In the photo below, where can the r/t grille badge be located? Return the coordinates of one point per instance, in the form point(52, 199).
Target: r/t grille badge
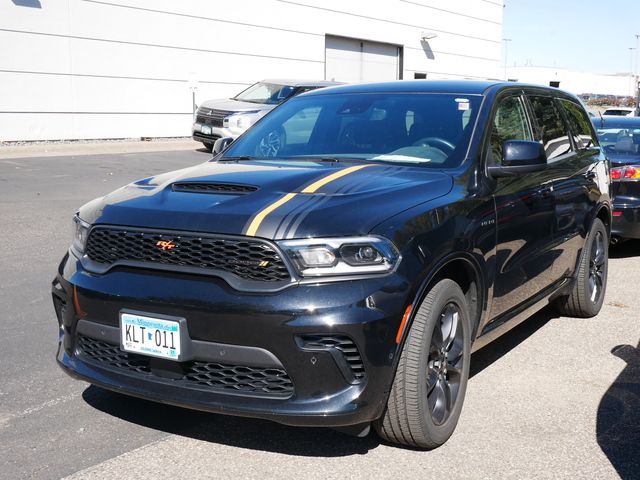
point(165, 244)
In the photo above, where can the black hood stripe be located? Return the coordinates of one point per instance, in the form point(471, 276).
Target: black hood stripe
point(254, 223)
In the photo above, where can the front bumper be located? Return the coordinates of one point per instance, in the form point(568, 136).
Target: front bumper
point(626, 221)
point(255, 330)
point(216, 133)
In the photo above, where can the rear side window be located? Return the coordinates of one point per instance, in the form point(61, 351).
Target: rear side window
point(509, 123)
point(551, 128)
point(579, 123)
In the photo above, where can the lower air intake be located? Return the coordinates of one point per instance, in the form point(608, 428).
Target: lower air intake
point(201, 375)
point(342, 348)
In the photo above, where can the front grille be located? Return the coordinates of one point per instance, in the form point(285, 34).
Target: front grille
point(204, 187)
point(241, 379)
point(111, 356)
point(343, 346)
point(212, 117)
point(246, 258)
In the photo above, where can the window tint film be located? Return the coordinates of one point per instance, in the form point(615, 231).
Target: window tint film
point(579, 123)
point(551, 127)
point(509, 123)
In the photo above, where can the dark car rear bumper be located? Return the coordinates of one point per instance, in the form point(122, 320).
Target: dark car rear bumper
point(626, 221)
point(259, 331)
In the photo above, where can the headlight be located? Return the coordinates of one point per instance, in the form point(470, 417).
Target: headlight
point(341, 256)
point(80, 234)
point(240, 122)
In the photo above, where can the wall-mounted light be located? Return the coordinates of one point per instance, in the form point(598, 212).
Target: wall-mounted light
point(426, 36)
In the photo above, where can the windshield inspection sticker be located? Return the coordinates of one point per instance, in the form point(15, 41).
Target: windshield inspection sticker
point(463, 103)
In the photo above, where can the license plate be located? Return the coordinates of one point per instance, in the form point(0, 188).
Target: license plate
point(205, 129)
point(150, 336)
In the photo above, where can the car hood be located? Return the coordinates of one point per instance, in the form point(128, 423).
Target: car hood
point(270, 199)
point(232, 105)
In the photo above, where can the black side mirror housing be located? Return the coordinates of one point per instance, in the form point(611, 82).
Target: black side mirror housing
point(519, 156)
point(221, 145)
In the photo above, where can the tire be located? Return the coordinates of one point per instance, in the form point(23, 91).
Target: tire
point(208, 146)
point(414, 415)
point(584, 301)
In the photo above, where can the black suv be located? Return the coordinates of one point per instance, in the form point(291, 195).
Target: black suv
point(344, 278)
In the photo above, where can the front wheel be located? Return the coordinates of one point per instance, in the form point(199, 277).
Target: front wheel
point(431, 379)
point(587, 294)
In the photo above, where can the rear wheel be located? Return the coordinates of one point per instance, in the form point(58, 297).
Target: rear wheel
point(587, 295)
point(431, 380)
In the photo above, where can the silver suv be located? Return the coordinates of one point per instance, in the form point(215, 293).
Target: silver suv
point(230, 117)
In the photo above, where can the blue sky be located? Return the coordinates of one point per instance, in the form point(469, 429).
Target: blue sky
point(583, 35)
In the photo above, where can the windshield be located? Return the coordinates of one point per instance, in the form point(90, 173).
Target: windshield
point(266, 93)
point(427, 129)
point(620, 142)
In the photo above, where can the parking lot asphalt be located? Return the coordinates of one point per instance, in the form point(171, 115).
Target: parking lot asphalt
point(554, 398)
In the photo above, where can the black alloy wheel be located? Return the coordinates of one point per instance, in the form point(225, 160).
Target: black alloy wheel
point(597, 268)
point(444, 367)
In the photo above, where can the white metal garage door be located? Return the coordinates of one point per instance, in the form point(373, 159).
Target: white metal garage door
point(353, 60)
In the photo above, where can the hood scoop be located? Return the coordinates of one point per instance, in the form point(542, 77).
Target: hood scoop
point(214, 188)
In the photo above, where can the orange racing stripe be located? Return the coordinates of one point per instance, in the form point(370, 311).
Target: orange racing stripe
point(313, 188)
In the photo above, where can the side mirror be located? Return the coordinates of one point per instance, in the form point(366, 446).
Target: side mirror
point(221, 145)
point(519, 156)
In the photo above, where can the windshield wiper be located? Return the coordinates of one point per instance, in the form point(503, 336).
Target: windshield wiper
point(235, 159)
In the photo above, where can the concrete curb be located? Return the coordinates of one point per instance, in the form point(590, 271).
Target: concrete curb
point(96, 148)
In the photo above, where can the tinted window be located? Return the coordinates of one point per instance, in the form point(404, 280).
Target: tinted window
point(579, 123)
point(509, 123)
point(299, 127)
point(621, 142)
point(432, 130)
point(267, 93)
point(551, 127)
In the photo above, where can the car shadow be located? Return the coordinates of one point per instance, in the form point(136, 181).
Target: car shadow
point(240, 432)
point(496, 349)
point(625, 249)
point(618, 420)
point(270, 436)
point(204, 150)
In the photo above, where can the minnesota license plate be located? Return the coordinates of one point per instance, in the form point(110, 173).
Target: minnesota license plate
point(205, 129)
point(150, 336)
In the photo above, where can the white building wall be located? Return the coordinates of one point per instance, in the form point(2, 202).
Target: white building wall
point(73, 69)
point(575, 82)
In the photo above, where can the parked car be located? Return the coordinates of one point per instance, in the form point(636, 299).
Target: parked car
point(620, 138)
point(230, 117)
point(343, 278)
point(620, 112)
